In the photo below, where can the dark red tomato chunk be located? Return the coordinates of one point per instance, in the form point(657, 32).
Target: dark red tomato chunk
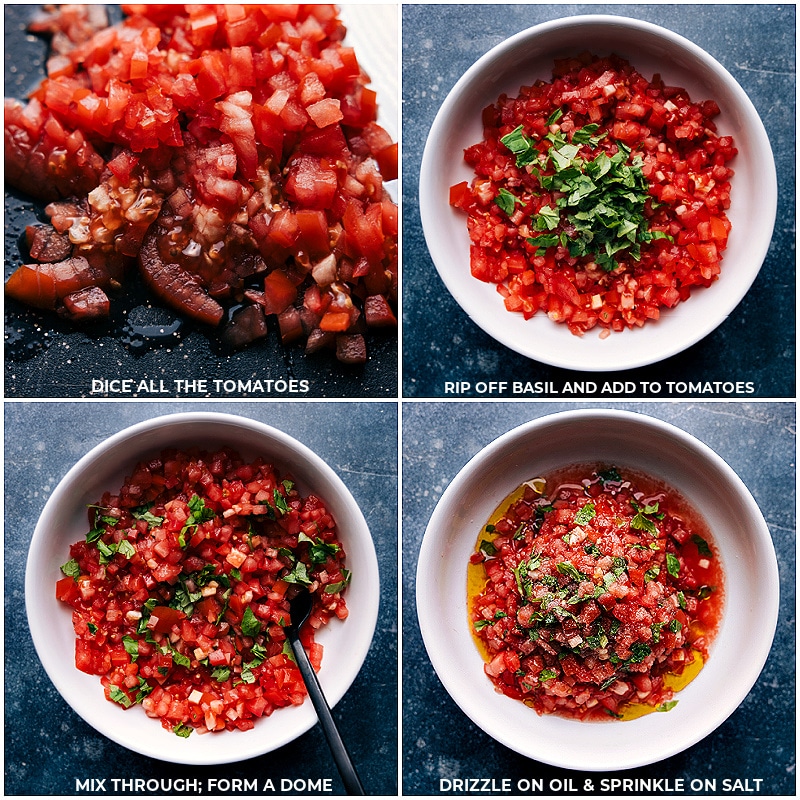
point(180, 591)
point(597, 587)
point(544, 258)
point(229, 149)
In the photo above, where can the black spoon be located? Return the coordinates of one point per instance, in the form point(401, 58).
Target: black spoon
point(300, 608)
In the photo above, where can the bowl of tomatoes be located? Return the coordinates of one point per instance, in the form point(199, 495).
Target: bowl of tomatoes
point(597, 210)
point(172, 550)
point(546, 564)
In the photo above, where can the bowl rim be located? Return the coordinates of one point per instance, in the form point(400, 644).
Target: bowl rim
point(431, 622)
point(305, 716)
point(431, 205)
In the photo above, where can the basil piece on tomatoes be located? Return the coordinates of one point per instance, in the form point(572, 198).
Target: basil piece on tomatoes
point(586, 514)
point(333, 588)
point(71, 569)
point(673, 565)
point(318, 550)
point(250, 624)
point(507, 201)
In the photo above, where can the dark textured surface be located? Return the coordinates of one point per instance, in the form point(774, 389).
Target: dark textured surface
point(756, 742)
point(47, 746)
point(756, 43)
point(47, 357)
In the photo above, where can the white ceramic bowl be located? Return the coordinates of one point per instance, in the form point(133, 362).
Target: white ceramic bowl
point(64, 521)
point(654, 448)
point(528, 56)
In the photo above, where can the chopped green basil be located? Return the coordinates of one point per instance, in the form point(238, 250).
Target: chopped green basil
point(639, 652)
point(280, 502)
point(487, 548)
point(71, 569)
point(673, 565)
point(702, 545)
point(585, 514)
point(332, 588)
point(507, 201)
point(298, 574)
point(250, 624)
point(143, 513)
point(131, 647)
point(118, 696)
point(565, 568)
point(318, 550)
point(221, 674)
point(609, 475)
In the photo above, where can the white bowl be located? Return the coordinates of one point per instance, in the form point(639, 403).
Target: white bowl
point(651, 447)
point(64, 521)
point(522, 59)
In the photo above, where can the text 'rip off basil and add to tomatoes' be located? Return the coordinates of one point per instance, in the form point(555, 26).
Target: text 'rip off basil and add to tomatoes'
point(180, 590)
point(594, 594)
point(231, 151)
point(599, 197)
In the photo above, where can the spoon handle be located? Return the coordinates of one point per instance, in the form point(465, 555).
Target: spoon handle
point(340, 755)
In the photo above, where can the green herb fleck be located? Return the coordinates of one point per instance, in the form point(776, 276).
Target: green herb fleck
point(280, 502)
point(71, 569)
point(565, 568)
point(332, 588)
point(673, 565)
point(131, 647)
point(585, 514)
point(702, 545)
point(221, 674)
point(507, 201)
point(119, 696)
point(250, 624)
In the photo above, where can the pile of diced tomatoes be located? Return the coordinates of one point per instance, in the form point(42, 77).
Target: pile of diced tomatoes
point(684, 160)
point(247, 138)
point(180, 590)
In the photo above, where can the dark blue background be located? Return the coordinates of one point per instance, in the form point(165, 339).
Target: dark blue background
point(47, 745)
point(756, 43)
point(757, 741)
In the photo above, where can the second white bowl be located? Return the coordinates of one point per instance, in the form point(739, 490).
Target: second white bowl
point(64, 521)
point(628, 441)
point(528, 56)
